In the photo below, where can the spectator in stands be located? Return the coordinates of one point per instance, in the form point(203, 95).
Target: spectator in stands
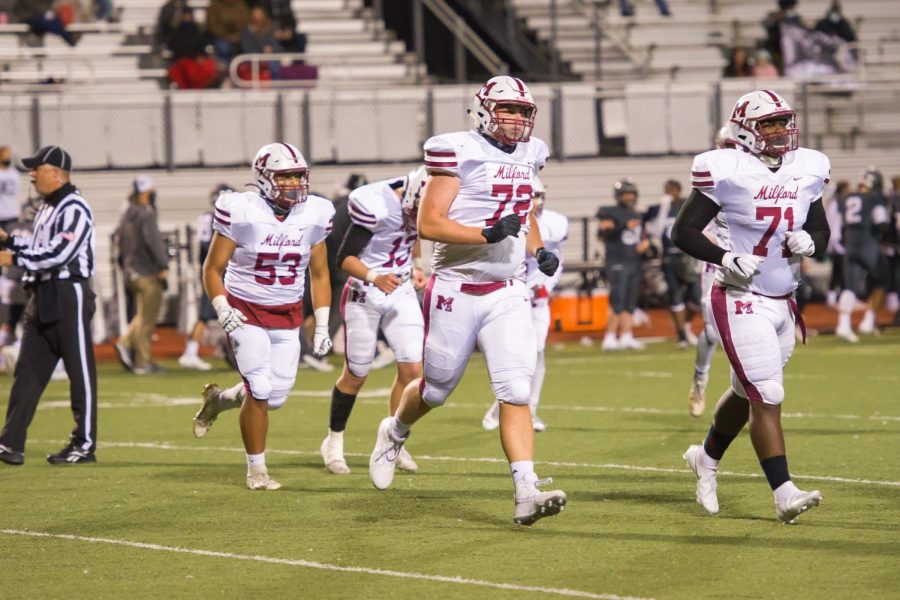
point(627, 8)
point(168, 20)
point(834, 23)
point(146, 267)
point(282, 16)
point(192, 68)
point(225, 20)
point(40, 18)
point(258, 37)
point(786, 13)
point(104, 10)
point(738, 65)
point(762, 65)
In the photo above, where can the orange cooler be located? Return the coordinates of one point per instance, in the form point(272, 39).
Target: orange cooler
point(574, 311)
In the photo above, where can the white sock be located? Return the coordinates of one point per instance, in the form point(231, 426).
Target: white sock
point(234, 392)
point(537, 383)
point(191, 349)
point(705, 350)
point(784, 491)
point(843, 320)
point(256, 462)
point(520, 469)
point(627, 337)
point(868, 320)
point(609, 337)
point(336, 436)
point(399, 429)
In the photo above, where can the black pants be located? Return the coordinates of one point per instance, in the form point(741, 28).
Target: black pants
point(61, 331)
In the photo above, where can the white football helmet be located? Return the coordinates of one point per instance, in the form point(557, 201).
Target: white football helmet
point(412, 192)
point(760, 106)
point(723, 138)
point(277, 159)
point(503, 91)
point(537, 195)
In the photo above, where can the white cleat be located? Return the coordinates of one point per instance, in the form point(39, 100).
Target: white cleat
point(847, 334)
point(796, 505)
point(209, 412)
point(491, 420)
point(261, 481)
point(384, 457)
point(193, 362)
point(689, 336)
point(532, 504)
point(318, 364)
point(697, 395)
point(332, 451)
point(630, 343)
point(610, 345)
point(538, 424)
point(706, 479)
point(405, 461)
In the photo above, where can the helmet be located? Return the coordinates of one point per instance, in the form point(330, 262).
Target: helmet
point(873, 179)
point(503, 91)
point(280, 159)
point(412, 192)
point(622, 187)
point(757, 107)
point(723, 138)
point(538, 192)
point(220, 189)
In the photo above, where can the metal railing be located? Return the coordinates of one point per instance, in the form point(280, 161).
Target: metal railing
point(464, 39)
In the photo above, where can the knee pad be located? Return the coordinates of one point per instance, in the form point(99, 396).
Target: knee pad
point(433, 396)
point(276, 403)
point(516, 391)
point(359, 369)
point(771, 391)
point(260, 388)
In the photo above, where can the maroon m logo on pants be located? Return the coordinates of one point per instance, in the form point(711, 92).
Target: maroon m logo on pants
point(742, 308)
point(445, 304)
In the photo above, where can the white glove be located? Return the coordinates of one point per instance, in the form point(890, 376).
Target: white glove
point(321, 340)
point(741, 266)
point(800, 242)
point(230, 318)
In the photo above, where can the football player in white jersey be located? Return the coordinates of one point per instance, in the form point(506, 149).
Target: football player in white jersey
point(554, 229)
point(771, 196)
point(477, 209)
point(378, 251)
point(254, 274)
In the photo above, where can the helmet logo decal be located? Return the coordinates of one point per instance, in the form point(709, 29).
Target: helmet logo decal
point(262, 160)
point(740, 110)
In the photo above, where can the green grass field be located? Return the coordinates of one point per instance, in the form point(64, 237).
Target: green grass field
point(163, 515)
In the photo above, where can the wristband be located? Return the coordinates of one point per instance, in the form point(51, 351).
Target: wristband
point(220, 303)
point(371, 276)
point(322, 315)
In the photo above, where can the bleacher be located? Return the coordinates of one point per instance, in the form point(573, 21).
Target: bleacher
point(347, 44)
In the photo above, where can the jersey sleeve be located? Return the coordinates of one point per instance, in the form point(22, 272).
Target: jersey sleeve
point(325, 221)
point(822, 171)
point(542, 153)
point(441, 156)
point(704, 175)
point(366, 206)
point(227, 211)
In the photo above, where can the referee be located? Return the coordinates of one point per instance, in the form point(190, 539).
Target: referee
point(58, 260)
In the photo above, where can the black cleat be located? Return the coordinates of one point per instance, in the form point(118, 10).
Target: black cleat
point(10, 456)
point(71, 455)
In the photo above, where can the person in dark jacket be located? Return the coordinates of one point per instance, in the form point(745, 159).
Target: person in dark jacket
point(145, 265)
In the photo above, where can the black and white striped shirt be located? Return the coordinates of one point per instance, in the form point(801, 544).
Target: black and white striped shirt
point(62, 245)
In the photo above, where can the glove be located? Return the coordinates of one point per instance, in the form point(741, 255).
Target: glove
point(321, 340)
point(230, 318)
point(741, 266)
point(505, 227)
point(800, 242)
point(547, 261)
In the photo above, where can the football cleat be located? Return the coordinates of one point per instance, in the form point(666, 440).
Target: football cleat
point(491, 419)
point(384, 456)
point(405, 461)
point(71, 455)
point(532, 504)
point(260, 480)
point(847, 334)
point(213, 405)
point(797, 504)
point(193, 362)
point(610, 344)
point(332, 451)
point(697, 394)
point(318, 364)
point(629, 343)
point(124, 356)
point(537, 423)
point(706, 479)
point(10, 456)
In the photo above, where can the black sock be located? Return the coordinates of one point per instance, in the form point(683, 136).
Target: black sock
point(776, 471)
point(341, 406)
point(717, 443)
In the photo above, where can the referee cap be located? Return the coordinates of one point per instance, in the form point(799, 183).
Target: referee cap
point(49, 155)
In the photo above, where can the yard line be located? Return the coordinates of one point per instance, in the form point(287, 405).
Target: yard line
point(459, 459)
point(323, 566)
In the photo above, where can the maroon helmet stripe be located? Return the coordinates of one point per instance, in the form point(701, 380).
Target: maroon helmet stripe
point(774, 98)
point(521, 86)
point(291, 150)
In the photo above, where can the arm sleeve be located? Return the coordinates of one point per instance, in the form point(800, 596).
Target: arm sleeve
point(355, 241)
point(74, 232)
point(817, 227)
point(692, 219)
point(440, 156)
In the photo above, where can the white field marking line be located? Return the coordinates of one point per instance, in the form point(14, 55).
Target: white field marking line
point(459, 459)
point(379, 395)
point(308, 564)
